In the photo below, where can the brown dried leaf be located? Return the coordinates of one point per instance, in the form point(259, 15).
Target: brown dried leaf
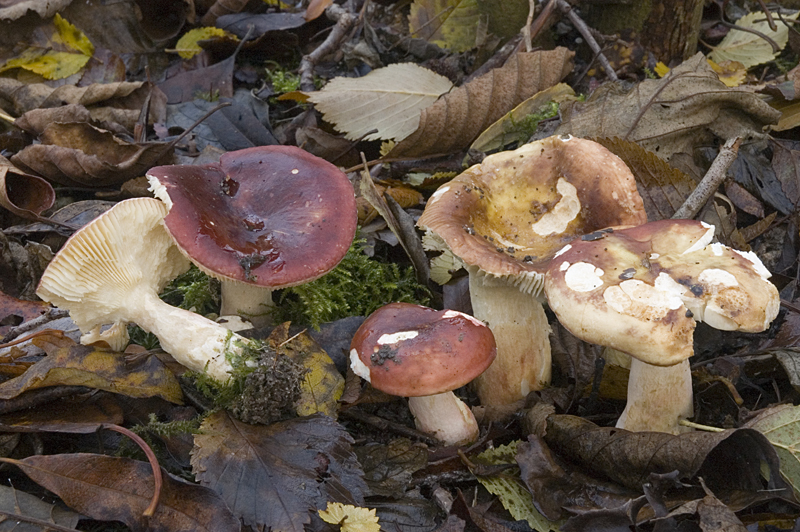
point(67, 417)
point(24, 194)
point(662, 187)
point(743, 200)
point(108, 488)
point(273, 476)
point(456, 119)
point(79, 154)
point(388, 468)
point(25, 310)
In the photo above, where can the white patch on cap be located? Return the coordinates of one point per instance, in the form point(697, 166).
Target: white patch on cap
point(717, 249)
point(564, 266)
point(358, 367)
point(583, 277)
point(717, 278)
point(757, 264)
point(438, 194)
point(456, 314)
point(159, 191)
point(567, 208)
point(562, 250)
point(393, 338)
point(653, 256)
point(637, 298)
point(704, 240)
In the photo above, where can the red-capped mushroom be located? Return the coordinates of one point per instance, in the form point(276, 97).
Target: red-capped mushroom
point(506, 218)
point(640, 290)
point(261, 219)
point(423, 354)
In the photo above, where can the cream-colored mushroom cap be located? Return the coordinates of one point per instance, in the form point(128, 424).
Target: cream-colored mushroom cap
point(641, 289)
point(510, 214)
point(95, 272)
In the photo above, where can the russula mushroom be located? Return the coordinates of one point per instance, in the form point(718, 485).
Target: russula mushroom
point(424, 354)
point(640, 290)
point(261, 219)
point(506, 218)
point(111, 271)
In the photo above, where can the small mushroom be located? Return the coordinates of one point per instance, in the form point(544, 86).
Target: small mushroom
point(423, 354)
point(506, 218)
point(640, 290)
point(111, 271)
point(261, 219)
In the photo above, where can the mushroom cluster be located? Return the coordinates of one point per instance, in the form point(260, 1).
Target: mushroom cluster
point(424, 354)
point(506, 218)
point(640, 290)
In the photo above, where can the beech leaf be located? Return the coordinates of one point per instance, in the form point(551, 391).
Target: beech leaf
point(781, 425)
point(456, 119)
point(388, 99)
point(451, 24)
point(274, 476)
point(748, 48)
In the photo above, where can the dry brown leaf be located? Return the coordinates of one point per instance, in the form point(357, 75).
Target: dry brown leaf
point(23, 194)
point(456, 119)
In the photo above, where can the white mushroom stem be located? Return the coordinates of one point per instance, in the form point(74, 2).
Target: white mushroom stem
point(521, 332)
point(251, 302)
point(658, 397)
point(445, 417)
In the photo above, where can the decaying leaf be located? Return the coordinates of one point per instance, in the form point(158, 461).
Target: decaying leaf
point(80, 365)
point(108, 488)
point(456, 120)
point(451, 24)
point(18, 503)
point(74, 417)
point(749, 48)
point(781, 425)
point(11, 307)
point(273, 476)
point(24, 194)
point(731, 73)
point(187, 46)
point(388, 99)
point(686, 108)
point(404, 196)
point(388, 469)
point(350, 518)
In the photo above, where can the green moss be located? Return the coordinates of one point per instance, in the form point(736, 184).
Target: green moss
point(193, 290)
point(356, 287)
point(283, 81)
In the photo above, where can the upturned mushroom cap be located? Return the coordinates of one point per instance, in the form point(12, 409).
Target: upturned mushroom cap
point(640, 290)
point(273, 216)
point(411, 351)
point(510, 214)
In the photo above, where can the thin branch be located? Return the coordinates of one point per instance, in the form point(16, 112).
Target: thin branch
point(711, 181)
point(47, 317)
point(586, 32)
point(344, 21)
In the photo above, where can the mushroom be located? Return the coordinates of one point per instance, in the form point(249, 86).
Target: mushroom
point(417, 352)
point(111, 271)
point(261, 219)
point(640, 290)
point(506, 218)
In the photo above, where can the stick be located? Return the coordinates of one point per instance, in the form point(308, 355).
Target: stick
point(711, 181)
point(344, 21)
point(584, 30)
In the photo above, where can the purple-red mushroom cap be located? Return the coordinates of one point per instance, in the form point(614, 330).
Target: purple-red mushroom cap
point(273, 216)
point(412, 351)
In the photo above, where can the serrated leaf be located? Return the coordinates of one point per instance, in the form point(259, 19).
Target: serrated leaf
point(451, 24)
point(388, 99)
point(511, 490)
point(781, 426)
point(350, 518)
point(748, 48)
point(187, 46)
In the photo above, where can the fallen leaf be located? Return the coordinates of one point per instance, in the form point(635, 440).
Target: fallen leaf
point(456, 119)
point(24, 194)
point(731, 73)
point(451, 24)
point(187, 46)
point(109, 488)
point(749, 48)
point(273, 476)
point(388, 99)
point(21, 310)
point(389, 468)
point(79, 365)
point(350, 518)
point(210, 83)
point(15, 503)
point(781, 426)
point(74, 417)
point(686, 108)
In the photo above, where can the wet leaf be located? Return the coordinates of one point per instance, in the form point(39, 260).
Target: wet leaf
point(187, 46)
point(456, 119)
point(24, 194)
point(84, 417)
point(388, 99)
point(275, 475)
point(78, 365)
point(451, 24)
point(18, 503)
point(209, 83)
point(781, 426)
point(671, 115)
point(786, 165)
point(388, 468)
point(108, 488)
point(747, 47)
point(322, 385)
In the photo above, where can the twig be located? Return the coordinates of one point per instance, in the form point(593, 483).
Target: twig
point(384, 424)
point(526, 30)
point(47, 317)
point(767, 14)
point(584, 30)
point(711, 181)
point(344, 21)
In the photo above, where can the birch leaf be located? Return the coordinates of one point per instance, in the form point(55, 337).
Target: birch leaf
point(451, 24)
point(388, 99)
point(748, 48)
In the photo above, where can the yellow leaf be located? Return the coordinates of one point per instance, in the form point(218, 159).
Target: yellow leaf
point(661, 69)
point(731, 73)
point(748, 48)
point(72, 37)
point(451, 24)
point(350, 518)
point(187, 46)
